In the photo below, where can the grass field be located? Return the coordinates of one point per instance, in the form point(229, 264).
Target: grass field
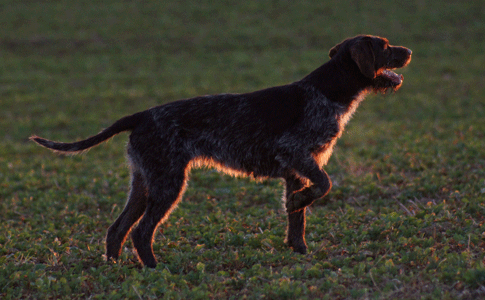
point(404, 220)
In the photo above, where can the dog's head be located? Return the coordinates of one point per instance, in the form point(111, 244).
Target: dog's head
point(375, 59)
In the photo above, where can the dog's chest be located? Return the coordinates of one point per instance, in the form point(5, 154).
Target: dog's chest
point(331, 129)
point(345, 116)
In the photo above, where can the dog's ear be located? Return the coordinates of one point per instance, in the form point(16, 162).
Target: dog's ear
point(362, 54)
point(334, 50)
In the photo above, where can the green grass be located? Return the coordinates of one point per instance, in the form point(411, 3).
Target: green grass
point(404, 220)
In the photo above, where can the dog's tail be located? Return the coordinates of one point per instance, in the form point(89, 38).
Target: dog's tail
point(123, 124)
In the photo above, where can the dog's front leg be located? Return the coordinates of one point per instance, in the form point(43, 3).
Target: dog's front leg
point(296, 203)
point(301, 199)
point(295, 235)
point(305, 197)
point(296, 208)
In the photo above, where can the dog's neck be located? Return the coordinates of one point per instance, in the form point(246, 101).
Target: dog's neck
point(339, 82)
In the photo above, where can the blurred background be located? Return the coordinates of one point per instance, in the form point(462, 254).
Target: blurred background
point(70, 68)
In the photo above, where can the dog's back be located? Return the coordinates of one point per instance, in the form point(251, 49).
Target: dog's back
point(253, 133)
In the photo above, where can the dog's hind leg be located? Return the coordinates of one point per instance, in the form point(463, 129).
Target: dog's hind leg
point(164, 193)
point(134, 209)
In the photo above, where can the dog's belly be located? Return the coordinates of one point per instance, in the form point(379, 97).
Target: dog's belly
point(263, 168)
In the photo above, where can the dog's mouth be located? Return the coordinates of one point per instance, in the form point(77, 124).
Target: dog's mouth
point(394, 78)
point(387, 79)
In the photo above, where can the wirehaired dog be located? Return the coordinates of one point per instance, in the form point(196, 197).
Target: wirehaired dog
point(284, 132)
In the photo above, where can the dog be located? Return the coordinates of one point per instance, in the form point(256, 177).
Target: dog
point(285, 132)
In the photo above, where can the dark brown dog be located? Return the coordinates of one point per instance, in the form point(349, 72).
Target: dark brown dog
point(281, 132)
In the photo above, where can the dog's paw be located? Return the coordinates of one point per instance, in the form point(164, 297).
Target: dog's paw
point(299, 247)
